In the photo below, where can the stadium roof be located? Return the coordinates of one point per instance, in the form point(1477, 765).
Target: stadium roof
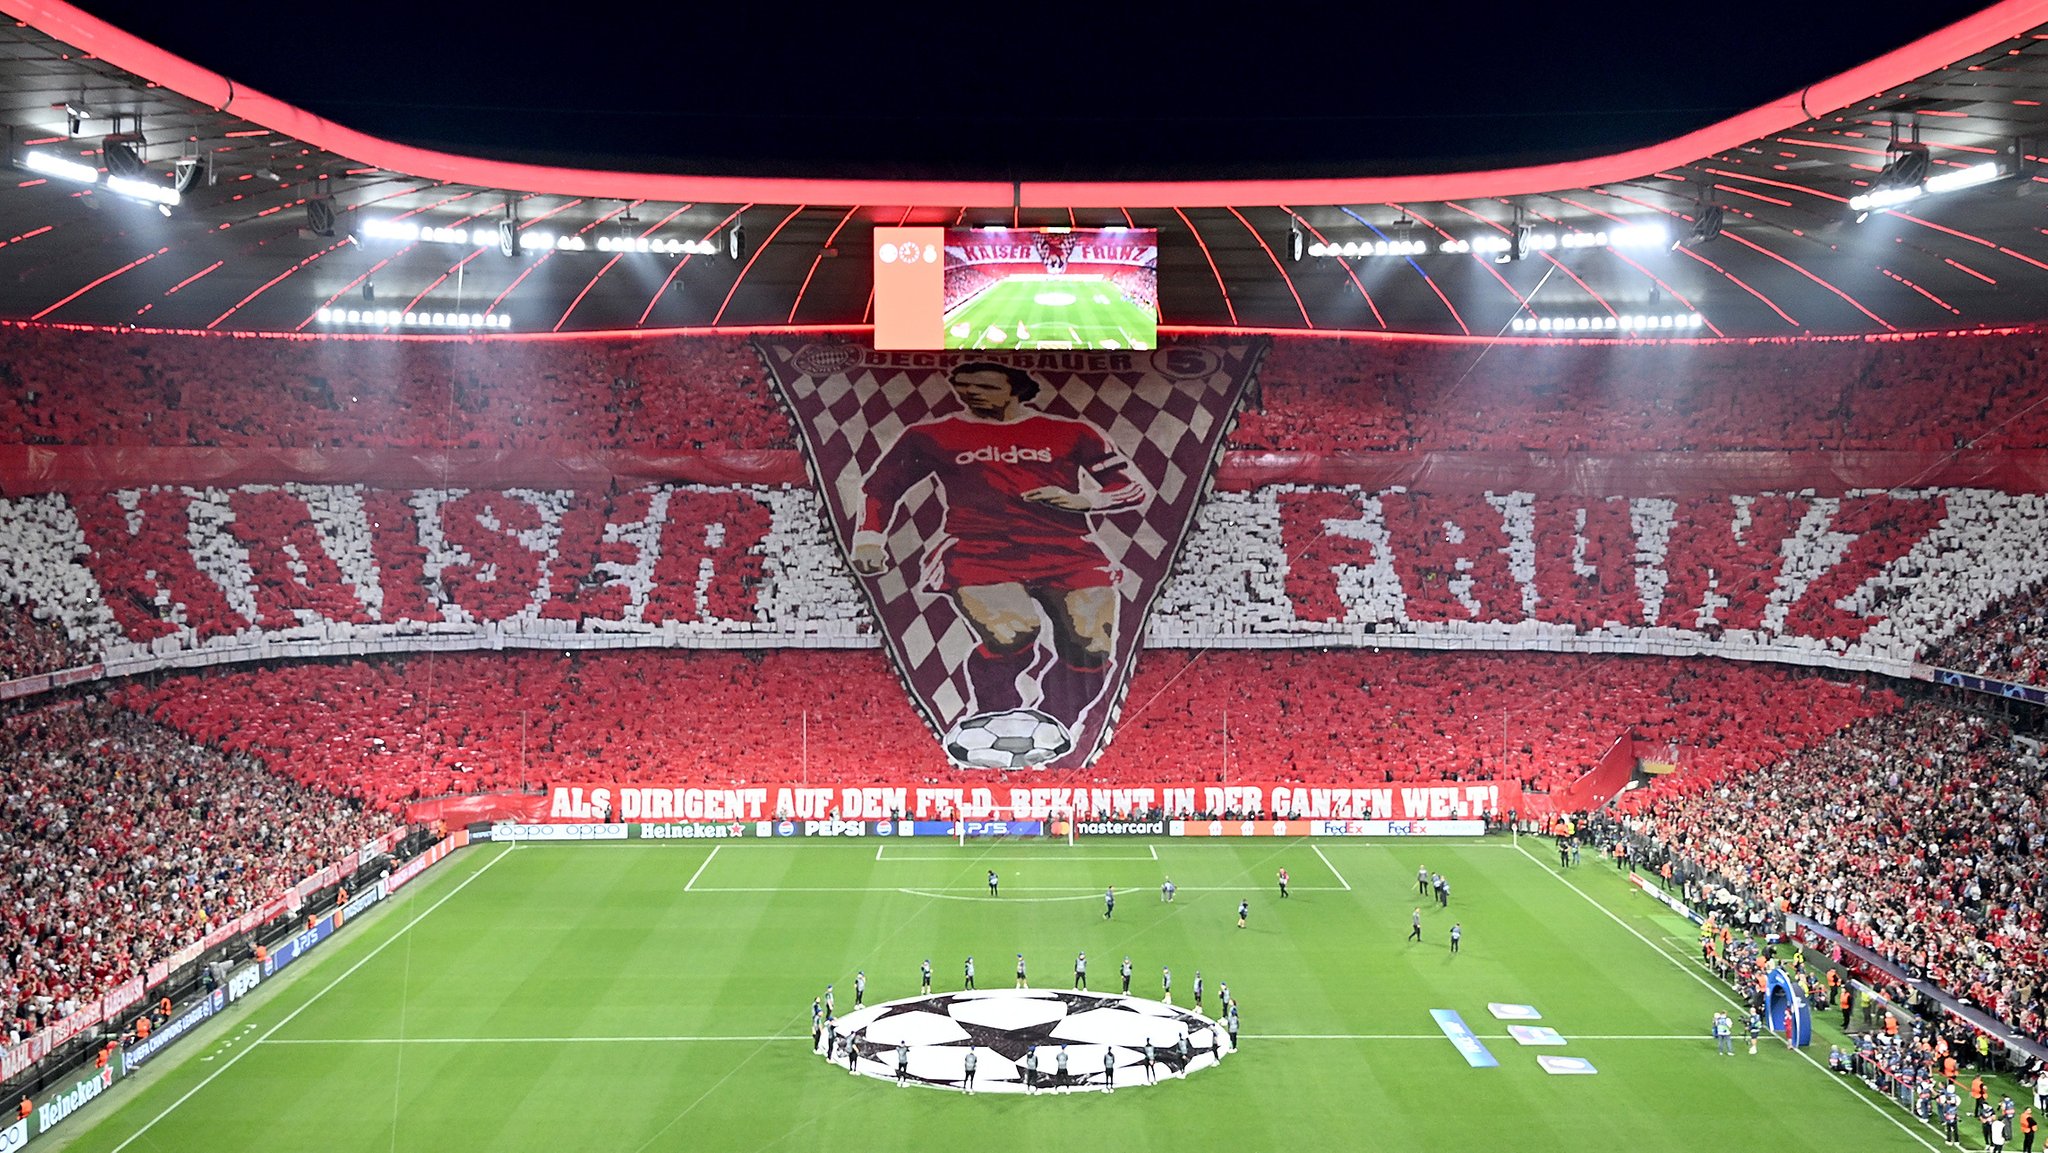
point(283, 219)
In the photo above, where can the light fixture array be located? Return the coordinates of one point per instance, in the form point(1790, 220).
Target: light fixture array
point(1953, 180)
point(1626, 322)
point(56, 167)
point(1643, 236)
point(399, 318)
point(410, 232)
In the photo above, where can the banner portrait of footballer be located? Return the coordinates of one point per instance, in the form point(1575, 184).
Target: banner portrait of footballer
point(1012, 517)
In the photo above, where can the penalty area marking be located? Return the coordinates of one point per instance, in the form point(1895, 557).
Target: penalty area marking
point(691, 883)
point(308, 1003)
point(1039, 858)
point(1333, 869)
point(970, 889)
point(707, 1039)
point(1720, 993)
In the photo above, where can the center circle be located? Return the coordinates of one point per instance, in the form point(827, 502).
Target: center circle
point(1004, 1027)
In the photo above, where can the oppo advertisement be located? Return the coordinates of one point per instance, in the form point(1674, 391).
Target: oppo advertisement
point(1016, 288)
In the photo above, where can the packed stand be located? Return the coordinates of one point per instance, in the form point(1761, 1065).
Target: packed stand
point(1937, 394)
point(2009, 642)
point(390, 731)
point(125, 841)
point(117, 388)
point(1317, 395)
point(1918, 834)
point(29, 646)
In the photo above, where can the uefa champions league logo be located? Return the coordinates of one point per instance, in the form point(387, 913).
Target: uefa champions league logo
point(1003, 1027)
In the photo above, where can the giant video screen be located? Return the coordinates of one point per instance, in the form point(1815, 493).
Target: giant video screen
point(1028, 288)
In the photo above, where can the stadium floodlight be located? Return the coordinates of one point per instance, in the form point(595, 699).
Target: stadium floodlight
point(1626, 322)
point(1294, 239)
point(60, 168)
point(397, 318)
point(120, 156)
point(736, 240)
point(1957, 179)
point(158, 194)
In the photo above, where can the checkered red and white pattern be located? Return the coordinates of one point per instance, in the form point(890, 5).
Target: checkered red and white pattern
point(1168, 410)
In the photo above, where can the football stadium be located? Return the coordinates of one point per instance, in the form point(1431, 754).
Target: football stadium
point(536, 623)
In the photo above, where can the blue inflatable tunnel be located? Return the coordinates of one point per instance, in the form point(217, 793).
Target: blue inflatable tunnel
point(1783, 998)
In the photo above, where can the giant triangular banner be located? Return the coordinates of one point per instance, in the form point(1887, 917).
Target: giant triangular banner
point(990, 629)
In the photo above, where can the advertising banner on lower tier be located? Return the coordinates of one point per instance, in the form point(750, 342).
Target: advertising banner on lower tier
point(1014, 799)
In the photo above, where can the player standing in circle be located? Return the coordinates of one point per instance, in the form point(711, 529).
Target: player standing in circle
point(902, 1064)
point(1166, 984)
point(828, 1001)
point(1109, 903)
point(1244, 910)
point(1126, 971)
point(993, 884)
point(1031, 1070)
point(1151, 1064)
point(1020, 488)
point(1081, 971)
point(1198, 989)
point(925, 976)
point(970, 974)
point(1021, 983)
point(1060, 1067)
point(1283, 884)
point(967, 1072)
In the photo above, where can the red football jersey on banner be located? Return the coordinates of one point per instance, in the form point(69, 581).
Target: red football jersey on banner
point(983, 469)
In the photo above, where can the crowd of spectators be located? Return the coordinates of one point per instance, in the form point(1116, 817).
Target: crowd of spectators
point(570, 396)
point(1317, 394)
point(2008, 641)
point(1917, 833)
point(392, 730)
point(1331, 395)
point(122, 841)
point(29, 646)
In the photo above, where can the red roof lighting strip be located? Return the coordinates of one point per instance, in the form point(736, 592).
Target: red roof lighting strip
point(1486, 262)
point(670, 278)
point(97, 281)
point(273, 281)
point(1277, 266)
point(1426, 222)
point(1349, 269)
point(1922, 291)
point(751, 258)
point(1213, 270)
point(1731, 277)
point(592, 283)
point(817, 260)
point(1983, 31)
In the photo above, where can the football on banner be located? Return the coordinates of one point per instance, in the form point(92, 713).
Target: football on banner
point(1015, 739)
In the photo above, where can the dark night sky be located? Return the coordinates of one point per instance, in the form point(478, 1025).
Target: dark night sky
point(1104, 92)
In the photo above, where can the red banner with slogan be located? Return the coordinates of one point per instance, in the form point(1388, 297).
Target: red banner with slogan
point(1396, 802)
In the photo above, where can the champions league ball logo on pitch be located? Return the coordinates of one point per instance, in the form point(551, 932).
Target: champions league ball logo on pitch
point(1102, 1034)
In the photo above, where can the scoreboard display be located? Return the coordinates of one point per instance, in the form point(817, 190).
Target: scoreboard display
point(1016, 288)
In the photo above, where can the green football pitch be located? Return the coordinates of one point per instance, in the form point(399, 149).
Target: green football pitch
point(1051, 312)
point(656, 996)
